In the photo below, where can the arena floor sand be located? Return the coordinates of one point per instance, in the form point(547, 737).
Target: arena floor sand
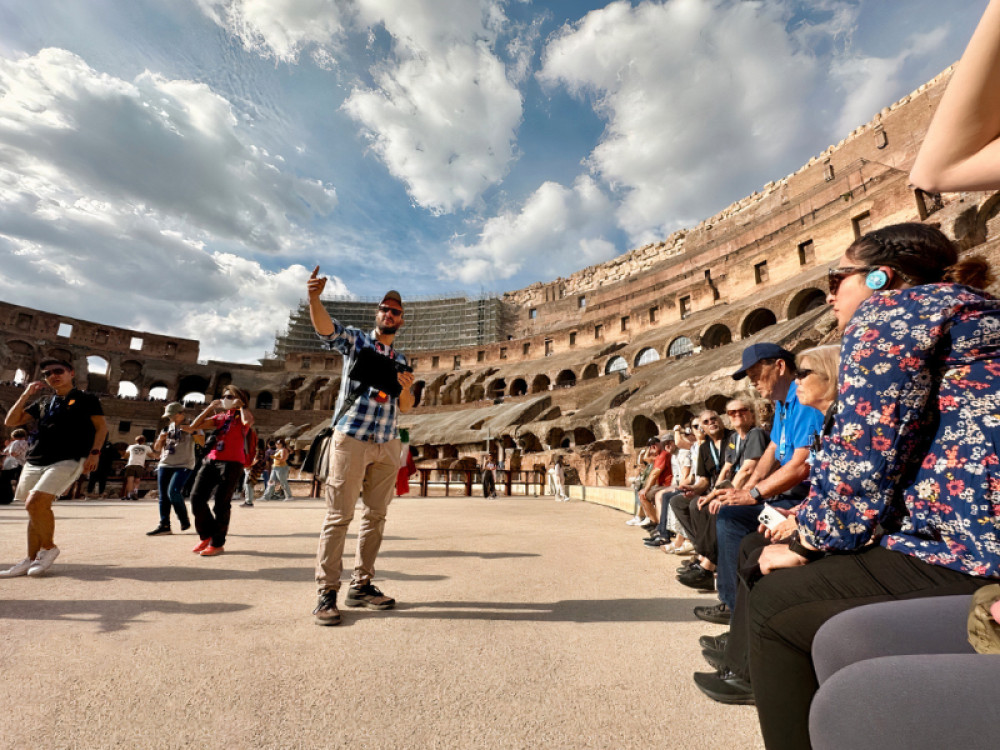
point(521, 623)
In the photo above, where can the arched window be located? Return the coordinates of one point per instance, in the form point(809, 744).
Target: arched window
point(540, 384)
point(565, 379)
point(615, 364)
point(757, 321)
point(127, 389)
point(643, 428)
point(716, 336)
point(680, 347)
point(193, 398)
point(645, 356)
point(806, 300)
point(265, 400)
point(591, 371)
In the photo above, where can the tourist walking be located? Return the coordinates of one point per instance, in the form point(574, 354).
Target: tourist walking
point(279, 471)
point(138, 453)
point(14, 456)
point(176, 447)
point(364, 454)
point(70, 432)
point(221, 469)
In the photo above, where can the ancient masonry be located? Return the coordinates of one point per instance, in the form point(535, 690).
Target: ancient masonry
point(588, 366)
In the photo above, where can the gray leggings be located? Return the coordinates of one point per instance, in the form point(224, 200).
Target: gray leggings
point(902, 674)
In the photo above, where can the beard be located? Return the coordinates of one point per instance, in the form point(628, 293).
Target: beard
point(388, 330)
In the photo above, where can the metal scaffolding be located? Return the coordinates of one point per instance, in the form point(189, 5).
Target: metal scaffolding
point(445, 322)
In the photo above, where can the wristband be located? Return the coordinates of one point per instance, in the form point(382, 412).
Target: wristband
point(794, 545)
point(95, 452)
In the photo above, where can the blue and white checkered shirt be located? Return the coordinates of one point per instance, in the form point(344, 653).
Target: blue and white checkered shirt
point(367, 419)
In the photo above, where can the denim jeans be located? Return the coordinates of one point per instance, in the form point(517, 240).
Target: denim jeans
point(278, 474)
point(170, 481)
point(734, 523)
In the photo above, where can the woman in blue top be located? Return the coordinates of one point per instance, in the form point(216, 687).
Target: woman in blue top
point(906, 493)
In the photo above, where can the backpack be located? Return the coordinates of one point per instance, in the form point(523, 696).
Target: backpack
point(249, 447)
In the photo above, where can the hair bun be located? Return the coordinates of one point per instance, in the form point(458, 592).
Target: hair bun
point(971, 271)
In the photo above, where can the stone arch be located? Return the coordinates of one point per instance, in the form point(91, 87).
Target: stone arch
point(496, 388)
point(565, 379)
point(677, 415)
point(20, 356)
point(475, 392)
point(804, 301)
point(616, 364)
point(518, 387)
point(127, 389)
point(591, 371)
point(64, 354)
point(554, 437)
point(159, 391)
point(447, 451)
point(716, 335)
point(319, 395)
point(756, 321)
point(540, 383)
point(583, 436)
point(418, 391)
point(99, 374)
point(681, 346)
point(717, 403)
point(222, 380)
point(265, 400)
point(529, 442)
point(191, 384)
point(286, 398)
point(646, 356)
point(643, 428)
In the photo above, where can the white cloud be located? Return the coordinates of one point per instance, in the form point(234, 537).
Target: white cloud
point(557, 231)
point(281, 28)
point(699, 97)
point(442, 114)
point(127, 202)
point(871, 83)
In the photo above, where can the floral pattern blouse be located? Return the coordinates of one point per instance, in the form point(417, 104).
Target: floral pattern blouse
point(914, 445)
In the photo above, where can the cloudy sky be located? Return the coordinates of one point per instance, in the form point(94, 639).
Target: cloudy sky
point(178, 166)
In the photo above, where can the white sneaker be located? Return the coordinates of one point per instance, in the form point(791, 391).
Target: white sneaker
point(17, 570)
point(43, 561)
point(633, 521)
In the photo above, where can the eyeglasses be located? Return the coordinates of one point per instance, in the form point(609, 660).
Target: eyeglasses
point(803, 373)
point(53, 371)
point(835, 276)
point(734, 412)
point(709, 420)
point(385, 310)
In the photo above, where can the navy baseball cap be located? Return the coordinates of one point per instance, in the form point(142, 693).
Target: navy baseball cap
point(757, 352)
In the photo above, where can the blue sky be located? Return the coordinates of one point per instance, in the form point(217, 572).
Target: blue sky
point(179, 166)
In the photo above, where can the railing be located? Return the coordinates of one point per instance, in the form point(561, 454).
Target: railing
point(505, 480)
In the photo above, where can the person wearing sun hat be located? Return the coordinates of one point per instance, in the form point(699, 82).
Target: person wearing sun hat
point(176, 448)
point(70, 432)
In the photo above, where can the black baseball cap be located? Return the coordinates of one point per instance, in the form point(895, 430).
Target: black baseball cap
point(55, 361)
point(394, 296)
point(758, 352)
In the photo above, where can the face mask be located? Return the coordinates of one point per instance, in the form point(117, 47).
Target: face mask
point(228, 403)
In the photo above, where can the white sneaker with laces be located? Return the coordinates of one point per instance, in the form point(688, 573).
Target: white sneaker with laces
point(43, 561)
point(633, 521)
point(17, 570)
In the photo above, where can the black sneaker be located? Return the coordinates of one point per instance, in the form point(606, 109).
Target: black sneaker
point(368, 596)
point(185, 525)
point(159, 531)
point(725, 688)
point(720, 614)
point(714, 642)
point(698, 578)
point(655, 541)
point(326, 612)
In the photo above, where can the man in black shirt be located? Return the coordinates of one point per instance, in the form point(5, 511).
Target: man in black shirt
point(70, 432)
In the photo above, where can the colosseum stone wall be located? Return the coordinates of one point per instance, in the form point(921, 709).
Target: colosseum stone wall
point(596, 362)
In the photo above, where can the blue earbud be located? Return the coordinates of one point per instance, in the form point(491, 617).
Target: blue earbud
point(877, 279)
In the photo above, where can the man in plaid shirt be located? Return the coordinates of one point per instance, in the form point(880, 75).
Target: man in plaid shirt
point(364, 455)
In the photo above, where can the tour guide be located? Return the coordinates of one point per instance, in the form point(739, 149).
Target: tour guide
point(363, 456)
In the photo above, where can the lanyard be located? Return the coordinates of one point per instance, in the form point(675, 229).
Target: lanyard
point(783, 443)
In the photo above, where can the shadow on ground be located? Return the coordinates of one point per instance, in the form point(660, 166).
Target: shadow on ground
point(113, 614)
point(568, 610)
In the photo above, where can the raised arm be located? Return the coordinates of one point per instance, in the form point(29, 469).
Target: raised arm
point(961, 150)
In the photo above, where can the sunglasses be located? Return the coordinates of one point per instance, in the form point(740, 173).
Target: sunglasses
point(835, 276)
point(734, 412)
point(710, 420)
point(802, 374)
point(53, 371)
point(385, 309)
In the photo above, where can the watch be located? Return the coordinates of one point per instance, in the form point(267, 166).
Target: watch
point(95, 452)
point(755, 494)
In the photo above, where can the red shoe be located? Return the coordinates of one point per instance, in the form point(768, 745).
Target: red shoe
point(211, 551)
point(202, 546)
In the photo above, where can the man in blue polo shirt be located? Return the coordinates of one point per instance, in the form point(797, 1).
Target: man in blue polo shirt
point(363, 456)
point(781, 475)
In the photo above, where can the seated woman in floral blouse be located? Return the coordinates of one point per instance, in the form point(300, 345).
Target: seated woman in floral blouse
point(906, 492)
